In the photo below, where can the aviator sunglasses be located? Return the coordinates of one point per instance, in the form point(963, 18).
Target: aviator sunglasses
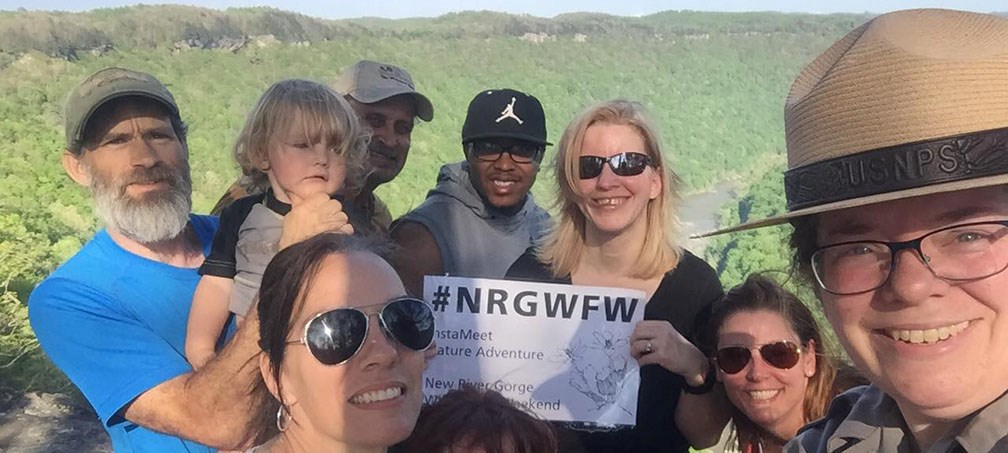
point(335, 336)
point(622, 164)
point(782, 354)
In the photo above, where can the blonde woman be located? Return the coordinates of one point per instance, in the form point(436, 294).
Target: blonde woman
point(617, 227)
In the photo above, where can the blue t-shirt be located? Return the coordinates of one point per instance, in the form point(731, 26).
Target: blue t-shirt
point(115, 323)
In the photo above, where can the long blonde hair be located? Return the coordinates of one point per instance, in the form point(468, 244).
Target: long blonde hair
point(564, 246)
point(322, 113)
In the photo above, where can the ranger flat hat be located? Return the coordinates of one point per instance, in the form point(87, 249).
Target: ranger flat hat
point(104, 86)
point(912, 103)
point(371, 81)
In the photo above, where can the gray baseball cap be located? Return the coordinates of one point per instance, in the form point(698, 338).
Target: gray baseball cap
point(104, 86)
point(371, 81)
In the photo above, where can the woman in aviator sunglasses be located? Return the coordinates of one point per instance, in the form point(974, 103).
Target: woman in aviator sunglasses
point(343, 349)
point(772, 361)
point(617, 227)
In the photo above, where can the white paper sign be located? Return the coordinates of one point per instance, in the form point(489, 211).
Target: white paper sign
point(560, 351)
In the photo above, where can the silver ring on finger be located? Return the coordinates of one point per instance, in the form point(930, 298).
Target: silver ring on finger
point(648, 348)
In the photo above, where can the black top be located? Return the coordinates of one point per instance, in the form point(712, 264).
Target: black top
point(683, 298)
point(221, 261)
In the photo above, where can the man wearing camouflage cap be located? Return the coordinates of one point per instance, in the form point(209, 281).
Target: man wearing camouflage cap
point(113, 317)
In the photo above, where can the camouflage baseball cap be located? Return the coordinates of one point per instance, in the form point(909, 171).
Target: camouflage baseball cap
point(370, 81)
point(104, 86)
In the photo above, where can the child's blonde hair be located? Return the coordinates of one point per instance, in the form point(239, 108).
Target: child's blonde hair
point(322, 112)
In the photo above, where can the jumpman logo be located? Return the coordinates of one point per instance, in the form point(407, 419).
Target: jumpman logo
point(509, 113)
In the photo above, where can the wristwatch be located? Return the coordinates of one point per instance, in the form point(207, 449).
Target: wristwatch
point(708, 382)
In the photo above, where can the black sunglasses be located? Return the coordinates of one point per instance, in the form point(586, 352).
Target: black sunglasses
point(521, 152)
point(622, 164)
point(782, 354)
point(335, 336)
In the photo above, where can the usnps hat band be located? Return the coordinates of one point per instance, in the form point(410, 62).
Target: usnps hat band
point(906, 166)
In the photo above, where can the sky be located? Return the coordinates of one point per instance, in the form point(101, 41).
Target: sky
point(396, 9)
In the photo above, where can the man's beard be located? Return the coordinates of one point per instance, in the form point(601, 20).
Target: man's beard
point(152, 217)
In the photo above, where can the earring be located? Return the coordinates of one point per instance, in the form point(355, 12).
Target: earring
point(283, 418)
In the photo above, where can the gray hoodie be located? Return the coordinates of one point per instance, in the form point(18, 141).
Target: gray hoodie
point(475, 239)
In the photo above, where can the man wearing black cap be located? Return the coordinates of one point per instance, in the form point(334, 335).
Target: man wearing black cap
point(113, 317)
point(480, 216)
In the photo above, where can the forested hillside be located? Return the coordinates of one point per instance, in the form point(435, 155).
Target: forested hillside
point(766, 250)
point(715, 82)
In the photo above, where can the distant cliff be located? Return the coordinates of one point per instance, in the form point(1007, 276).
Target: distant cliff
point(67, 35)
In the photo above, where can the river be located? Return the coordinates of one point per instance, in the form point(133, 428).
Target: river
point(698, 213)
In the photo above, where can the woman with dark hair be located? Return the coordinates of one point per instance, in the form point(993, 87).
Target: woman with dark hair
point(469, 420)
point(343, 349)
point(772, 361)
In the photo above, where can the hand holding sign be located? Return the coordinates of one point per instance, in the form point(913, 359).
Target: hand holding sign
point(657, 342)
point(312, 214)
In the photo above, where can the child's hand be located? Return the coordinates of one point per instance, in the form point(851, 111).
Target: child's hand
point(312, 215)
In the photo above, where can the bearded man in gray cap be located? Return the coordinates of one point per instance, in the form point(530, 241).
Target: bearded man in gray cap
point(480, 216)
point(113, 317)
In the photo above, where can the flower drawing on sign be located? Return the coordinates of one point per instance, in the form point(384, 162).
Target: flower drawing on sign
point(598, 367)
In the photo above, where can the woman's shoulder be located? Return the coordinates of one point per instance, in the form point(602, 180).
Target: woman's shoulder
point(692, 274)
point(692, 266)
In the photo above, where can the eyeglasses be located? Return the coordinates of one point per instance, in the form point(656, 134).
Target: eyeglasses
point(521, 152)
point(959, 253)
point(782, 354)
point(335, 336)
point(622, 164)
